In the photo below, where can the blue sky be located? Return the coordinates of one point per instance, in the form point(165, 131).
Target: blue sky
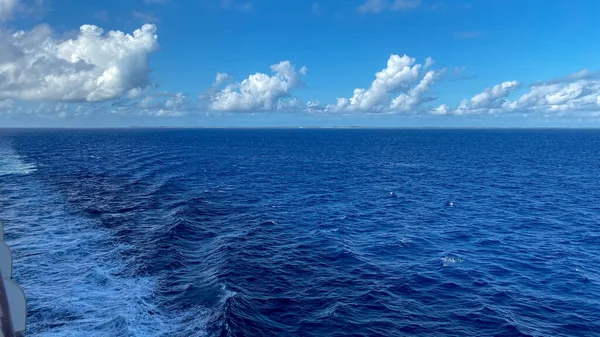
point(440, 63)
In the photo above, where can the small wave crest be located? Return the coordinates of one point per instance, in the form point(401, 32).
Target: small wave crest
point(449, 260)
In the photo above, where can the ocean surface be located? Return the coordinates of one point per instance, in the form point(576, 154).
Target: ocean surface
point(304, 232)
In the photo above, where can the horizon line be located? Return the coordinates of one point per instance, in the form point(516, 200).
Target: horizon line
point(315, 127)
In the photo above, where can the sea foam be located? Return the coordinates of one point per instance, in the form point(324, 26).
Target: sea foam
point(11, 163)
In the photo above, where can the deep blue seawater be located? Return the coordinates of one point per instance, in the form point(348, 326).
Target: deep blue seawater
point(304, 232)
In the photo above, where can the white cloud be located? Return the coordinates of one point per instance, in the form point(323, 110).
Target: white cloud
point(92, 67)
point(177, 102)
point(398, 77)
point(429, 62)
point(578, 95)
point(491, 100)
point(314, 105)
point(222, 78)
point(578, 92)
point(377, 6)
point(7, 8)
point(409, 102)
point(135, 93)
point(491, 96)
point(441, 110)
point(257, 92)
point(292, 104)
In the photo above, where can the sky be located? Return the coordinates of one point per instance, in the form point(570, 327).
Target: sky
point(390, 63)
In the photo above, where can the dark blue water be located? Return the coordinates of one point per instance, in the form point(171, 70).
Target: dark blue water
point(304, 232)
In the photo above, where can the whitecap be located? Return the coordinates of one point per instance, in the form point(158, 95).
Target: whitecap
point(330, 310)
point(448, 260)
point(227, 293)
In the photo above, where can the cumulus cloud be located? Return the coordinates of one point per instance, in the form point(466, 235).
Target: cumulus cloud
point(441, 110)
point(7, 8)
point(377, 6)
point(397, 78)
point(259, 92)
point(578, 95)
point(409, 102)
point(577, 92)
point(491, 100)
point(490, 96)
point(91, 67)
point(177, 102)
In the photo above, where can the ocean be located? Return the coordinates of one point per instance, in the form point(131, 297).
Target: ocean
point(304, 232)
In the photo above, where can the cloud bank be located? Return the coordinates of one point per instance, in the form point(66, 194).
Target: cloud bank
point(578, 92)
point(108, 72)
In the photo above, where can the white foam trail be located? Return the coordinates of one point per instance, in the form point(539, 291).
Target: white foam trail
point(73, 273)
point(11, 163)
